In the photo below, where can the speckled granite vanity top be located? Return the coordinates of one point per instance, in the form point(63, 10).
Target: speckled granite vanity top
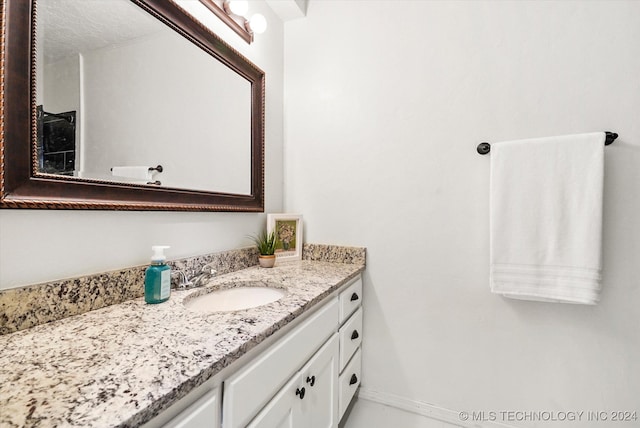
point(123, 364)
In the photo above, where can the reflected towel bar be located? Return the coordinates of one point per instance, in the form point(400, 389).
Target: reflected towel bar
point(158, 168)
point(484, 148)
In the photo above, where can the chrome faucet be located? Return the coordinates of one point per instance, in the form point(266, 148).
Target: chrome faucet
point(206, 273)
point(183, 282)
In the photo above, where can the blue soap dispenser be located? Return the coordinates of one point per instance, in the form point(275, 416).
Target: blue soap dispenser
point(157, 280)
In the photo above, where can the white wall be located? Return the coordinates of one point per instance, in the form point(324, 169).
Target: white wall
point(61, 87)
point(157, 100)
point(42, 245)
point(384, 106)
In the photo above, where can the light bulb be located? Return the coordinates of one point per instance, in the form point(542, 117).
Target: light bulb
point(238, 7)
point(258, 23)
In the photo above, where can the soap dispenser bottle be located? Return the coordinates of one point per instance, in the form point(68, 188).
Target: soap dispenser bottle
point(157, 280)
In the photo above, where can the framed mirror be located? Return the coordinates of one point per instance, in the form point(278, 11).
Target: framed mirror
point(126, 105)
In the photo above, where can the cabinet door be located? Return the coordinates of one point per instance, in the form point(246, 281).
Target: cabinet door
point(310, 398)
point(202, 414)
point(283, 410)
point(320, 379)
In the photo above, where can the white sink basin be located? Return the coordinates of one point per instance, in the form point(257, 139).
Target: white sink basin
point(234, 299)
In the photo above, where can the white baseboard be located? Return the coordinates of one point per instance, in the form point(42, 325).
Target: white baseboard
point(454, 417)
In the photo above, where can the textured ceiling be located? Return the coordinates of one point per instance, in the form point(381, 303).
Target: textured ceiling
point(66, 27)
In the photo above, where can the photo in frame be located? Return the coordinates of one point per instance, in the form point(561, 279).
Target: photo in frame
point(288, 231)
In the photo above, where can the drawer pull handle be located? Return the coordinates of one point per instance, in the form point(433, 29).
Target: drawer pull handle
point(354, 379)
point(354, 335)
point(354, 297)
point(300, 392)
point(311, 380)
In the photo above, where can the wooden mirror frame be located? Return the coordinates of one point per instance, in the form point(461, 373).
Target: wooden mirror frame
point(22, 186)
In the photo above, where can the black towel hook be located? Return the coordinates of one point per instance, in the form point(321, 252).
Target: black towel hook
point(610, 137)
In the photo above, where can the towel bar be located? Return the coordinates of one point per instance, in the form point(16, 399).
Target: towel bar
point(484, 148)
point(151, 168)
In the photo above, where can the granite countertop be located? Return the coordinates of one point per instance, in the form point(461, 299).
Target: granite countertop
point(123, 364)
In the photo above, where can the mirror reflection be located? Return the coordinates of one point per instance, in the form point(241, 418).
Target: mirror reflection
point(119, 92)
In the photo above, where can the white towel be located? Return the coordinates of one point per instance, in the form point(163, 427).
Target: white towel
point(546, 218)
point(135, 172)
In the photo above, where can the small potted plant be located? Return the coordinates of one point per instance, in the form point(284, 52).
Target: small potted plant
point(266, 245)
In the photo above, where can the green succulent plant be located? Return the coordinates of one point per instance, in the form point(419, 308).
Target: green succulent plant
point(265, 243)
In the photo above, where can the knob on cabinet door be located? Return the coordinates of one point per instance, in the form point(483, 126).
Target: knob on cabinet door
point(354, 297)
point(354, 335)
point(354, 379)
point(300, 392)
point(311, 380)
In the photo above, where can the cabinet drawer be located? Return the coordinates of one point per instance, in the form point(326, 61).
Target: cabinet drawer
point(350, 299)
point(350, 337)
point(248, 390)
point(349, 382)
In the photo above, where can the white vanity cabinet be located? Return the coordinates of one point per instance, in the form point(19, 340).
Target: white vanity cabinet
point(304, 379)
point(315, 395)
